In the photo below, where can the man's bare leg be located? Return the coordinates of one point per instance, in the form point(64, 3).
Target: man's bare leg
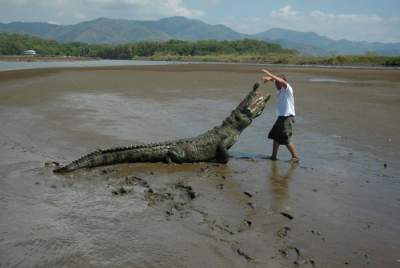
point(275, 148)
point(292, 151)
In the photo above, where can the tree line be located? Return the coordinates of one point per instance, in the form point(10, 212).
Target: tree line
point(246, 50)
point(15, 44)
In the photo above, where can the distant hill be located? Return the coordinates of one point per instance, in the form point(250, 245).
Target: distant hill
point(39, 29)
point(117, 31)
point(182, 28)
point(314, 44)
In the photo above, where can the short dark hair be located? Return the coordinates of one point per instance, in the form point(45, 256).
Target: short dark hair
point(282, 76)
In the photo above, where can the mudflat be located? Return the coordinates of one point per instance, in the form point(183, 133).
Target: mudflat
point(340, 207)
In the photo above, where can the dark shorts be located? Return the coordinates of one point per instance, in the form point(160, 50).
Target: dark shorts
point(282, 130)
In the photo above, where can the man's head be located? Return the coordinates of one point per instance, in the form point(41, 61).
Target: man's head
point(278, 84)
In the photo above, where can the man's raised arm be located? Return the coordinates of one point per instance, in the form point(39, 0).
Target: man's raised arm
point(274, 77)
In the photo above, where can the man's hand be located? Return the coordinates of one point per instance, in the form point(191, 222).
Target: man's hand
point(267, 72)
point(267, 79)
point(274, 77)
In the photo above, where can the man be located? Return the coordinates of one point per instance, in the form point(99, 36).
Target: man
point(281, 132)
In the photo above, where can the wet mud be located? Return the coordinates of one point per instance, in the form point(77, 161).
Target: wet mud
point(338, 208)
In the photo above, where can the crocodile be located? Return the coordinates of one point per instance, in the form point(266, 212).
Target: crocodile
point(211, 146)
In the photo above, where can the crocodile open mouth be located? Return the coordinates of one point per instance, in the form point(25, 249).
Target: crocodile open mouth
point(256, 107)
point(257, 103)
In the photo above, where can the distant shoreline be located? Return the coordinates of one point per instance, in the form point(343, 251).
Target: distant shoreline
point(246, 51)
point(28, 58)
point(306, 64)
point(61, 62)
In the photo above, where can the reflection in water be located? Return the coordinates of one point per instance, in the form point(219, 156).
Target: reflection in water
point(280, 185)
point(21, 65)
point(327, 80)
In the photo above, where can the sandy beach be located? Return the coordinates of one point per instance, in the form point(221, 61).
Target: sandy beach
point(340, 207)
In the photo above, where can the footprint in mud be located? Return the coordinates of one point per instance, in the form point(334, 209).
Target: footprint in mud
point(133, 180)
point(293, 254)
point(287, 215)
point(245, 255)
point(121, 190)
point(250, 205)
point(283, 232)
point(177, 194)
point(248, 194)
point(220, 227)
point(187, 189)
point(177, 209)
point(212, 223)
point(174, 199)
point(242, 253)
point(180, 203)
point(245, 225)
point(153, 198)
point(128, 185)
point(304, 263)
point(290, 252)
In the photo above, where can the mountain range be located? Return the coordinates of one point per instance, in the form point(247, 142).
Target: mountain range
point(116, 31)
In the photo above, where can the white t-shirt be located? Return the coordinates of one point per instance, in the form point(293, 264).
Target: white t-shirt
point(285, 102)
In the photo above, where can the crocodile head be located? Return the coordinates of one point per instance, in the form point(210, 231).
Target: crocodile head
point(254, 103)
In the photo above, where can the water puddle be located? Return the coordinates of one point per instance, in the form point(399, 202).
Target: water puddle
point(327, 80)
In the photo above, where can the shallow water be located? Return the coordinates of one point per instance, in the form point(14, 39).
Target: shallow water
point(23, 65)
point(327, 80)
point(344, 201)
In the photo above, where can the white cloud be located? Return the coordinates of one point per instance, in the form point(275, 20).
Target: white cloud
point(369, 27)
point(285, 12)
point(72, 11)
point(156, 8)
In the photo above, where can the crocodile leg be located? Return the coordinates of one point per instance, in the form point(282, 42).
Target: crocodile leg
point(176, 155)
point(222, 155)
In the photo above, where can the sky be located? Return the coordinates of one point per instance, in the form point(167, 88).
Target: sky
point(356, 20)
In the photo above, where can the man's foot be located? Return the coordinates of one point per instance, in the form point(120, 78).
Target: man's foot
point(272, 158)
point(295, 160)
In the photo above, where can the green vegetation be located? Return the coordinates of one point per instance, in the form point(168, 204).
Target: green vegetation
point(222, 51)
point(367, 59)
point(175, 48)
point(16, 44)
point(285, 58)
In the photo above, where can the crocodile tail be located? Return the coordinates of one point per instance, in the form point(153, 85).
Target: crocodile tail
point(131, 154)
point(88, 160)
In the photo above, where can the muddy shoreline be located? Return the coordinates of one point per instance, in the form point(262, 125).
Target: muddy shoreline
point(19, 58)
point(338, 208)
